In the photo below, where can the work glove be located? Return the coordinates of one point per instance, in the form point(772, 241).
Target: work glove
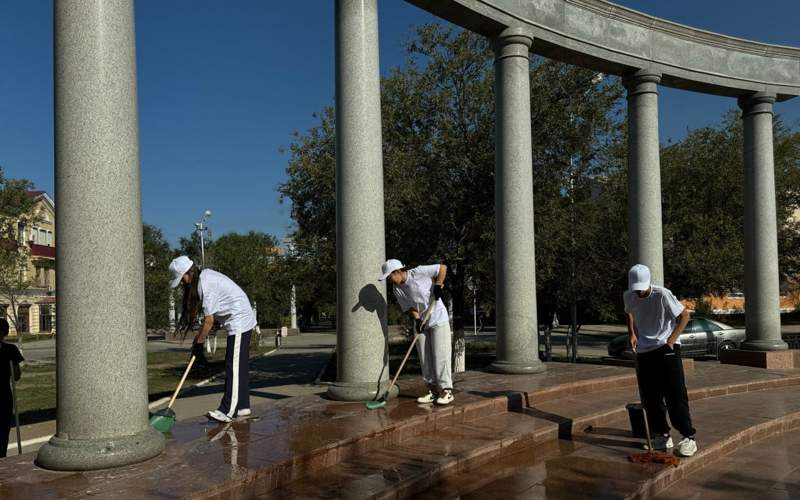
point(438, 291)
point(199, 353)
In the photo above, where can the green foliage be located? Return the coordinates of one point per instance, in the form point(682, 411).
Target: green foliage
point(438, 142)
point(254, 262)
point(15, 207)
point(157, 256)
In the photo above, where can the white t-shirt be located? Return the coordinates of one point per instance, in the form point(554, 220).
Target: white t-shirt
point(416, 293)
point(654, 316)
point(223, 299)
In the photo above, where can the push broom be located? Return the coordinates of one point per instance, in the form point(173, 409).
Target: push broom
point(381, 402)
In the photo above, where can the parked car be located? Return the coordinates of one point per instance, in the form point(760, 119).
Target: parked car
point(701, 337)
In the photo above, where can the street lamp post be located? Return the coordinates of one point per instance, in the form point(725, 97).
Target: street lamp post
point(202, 228)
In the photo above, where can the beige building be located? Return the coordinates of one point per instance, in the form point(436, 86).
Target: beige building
point(36, 305)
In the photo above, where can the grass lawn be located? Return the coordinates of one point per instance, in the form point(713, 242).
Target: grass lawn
point(36, 391)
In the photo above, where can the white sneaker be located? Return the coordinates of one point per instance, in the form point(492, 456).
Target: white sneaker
point(427, 399)
point(445, 398)
point(660, 443)
point(218, 415)
point(244, 412)
point(687, 447)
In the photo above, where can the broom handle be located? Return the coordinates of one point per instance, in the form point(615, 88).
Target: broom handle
point(641, 401)
point(426, 317)
point(408, 353)
point(16, 409)
point(183, 379)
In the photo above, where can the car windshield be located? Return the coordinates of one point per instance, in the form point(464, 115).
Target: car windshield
point(721, 326)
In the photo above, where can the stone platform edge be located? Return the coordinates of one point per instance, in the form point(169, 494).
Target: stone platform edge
point(281, 474)
point(762, 359)
point(710, 454)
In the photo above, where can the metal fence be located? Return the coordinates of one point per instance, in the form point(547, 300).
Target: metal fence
point(793, 340)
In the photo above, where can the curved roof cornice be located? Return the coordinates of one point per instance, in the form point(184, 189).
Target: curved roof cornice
point(618, 40)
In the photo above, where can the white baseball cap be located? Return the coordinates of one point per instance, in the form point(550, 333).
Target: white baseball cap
point(389, 267)
point(639, 278)
point(178, 268)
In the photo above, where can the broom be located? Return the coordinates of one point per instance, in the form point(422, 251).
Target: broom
point(381, 402)
point(163, 420)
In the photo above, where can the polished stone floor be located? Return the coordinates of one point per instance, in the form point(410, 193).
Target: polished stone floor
point(561, 434)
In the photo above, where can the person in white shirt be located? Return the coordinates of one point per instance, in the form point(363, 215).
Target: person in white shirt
point(413, 288)
point(655, 321)
point(218, 297)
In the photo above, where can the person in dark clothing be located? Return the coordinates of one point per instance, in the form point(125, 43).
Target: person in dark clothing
point(10, 359)
point(655, 322)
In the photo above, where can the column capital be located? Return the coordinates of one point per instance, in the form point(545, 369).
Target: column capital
point(756, 103)
point(512, 42)
point(643, 81)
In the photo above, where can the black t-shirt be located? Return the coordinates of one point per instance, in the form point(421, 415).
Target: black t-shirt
point(8, 352)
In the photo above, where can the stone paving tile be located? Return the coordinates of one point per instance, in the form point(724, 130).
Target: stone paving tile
point(596, 466)
point(298, 437)
point(767, 469)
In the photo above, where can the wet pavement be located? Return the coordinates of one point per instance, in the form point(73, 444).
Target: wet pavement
point(559, 433)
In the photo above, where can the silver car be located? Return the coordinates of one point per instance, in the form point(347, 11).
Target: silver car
point(701, 337)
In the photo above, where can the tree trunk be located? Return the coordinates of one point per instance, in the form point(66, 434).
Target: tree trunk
point(459, 344)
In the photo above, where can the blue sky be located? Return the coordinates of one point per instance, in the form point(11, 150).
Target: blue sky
point(223, 86)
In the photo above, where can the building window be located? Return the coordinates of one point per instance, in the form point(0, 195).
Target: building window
point(49, 238)
point(21, 232)
point(42, 236)
point(45, 319)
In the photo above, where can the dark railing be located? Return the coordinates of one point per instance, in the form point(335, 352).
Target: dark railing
point(43, 251)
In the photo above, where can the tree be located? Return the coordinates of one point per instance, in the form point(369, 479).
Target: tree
point(17, 210)
point(157, 256)
point(702, 189)
point(438, 139)
point(255, 262)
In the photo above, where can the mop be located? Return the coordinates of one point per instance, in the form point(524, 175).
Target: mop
point(381, 402)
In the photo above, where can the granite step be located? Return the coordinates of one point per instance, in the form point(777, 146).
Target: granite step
point(594, 463)
point(576, 447)
point(295, 440)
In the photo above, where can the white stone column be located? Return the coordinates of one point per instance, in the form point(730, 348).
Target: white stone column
point(172, 319)
point(644, 174)
point(293, 308)
point(102, 417)
point(517, 336)
point(761, 279)
point(361, 331)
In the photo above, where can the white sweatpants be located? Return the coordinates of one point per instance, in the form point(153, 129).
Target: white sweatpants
point(434, 348)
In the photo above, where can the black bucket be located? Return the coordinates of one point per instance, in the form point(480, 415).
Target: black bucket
point(636, 416)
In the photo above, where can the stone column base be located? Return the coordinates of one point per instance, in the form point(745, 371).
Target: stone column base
point(761, 359)
point(517, 368)
point(360, 391)
point(93, 454)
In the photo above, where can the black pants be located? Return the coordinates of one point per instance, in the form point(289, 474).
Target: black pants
point(237, 374)
point(6, 420)
point(660, 377)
